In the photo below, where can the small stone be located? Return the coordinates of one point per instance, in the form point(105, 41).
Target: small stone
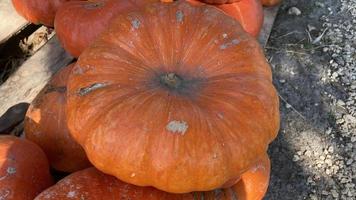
point(296, 158)
point(308, 153)
point(294, 11)
point(282, 81)
point(334, 193)
point(324, 192)
point(340, 103)
point(288, 105)
point(349, 161)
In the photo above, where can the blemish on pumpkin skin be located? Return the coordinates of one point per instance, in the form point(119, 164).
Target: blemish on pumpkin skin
point(133, 175)
point(234, 42)
point(179, 16)
point(94, 5)
point(179, 127)
point(86, 90)
point(135, 23)
point(11, 170)
point(4, 193)
point(71, 194)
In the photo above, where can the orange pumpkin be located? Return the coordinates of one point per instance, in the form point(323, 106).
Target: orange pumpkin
point(92, 184)
point(46, 125)
point(176, 96)
point(249, 13)
point(271, 2)
point(38, 11)
point(24, 171)
point(78, 23)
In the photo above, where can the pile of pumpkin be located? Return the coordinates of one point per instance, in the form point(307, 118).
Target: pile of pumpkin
point(167, 100)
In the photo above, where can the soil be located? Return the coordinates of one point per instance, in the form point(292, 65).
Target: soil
point(313, 57)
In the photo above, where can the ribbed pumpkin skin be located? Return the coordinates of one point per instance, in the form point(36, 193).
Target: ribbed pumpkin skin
point(271, 2)
point(249, 13)
point(254, 183)
point(46, 125)
point(165, 96)
point(24, 171)
point(38, 11)
point(78, 23)
point(91, 184)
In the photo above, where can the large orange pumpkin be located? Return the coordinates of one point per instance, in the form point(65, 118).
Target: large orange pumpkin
point(271, 2)
point(38, 11)
point(91, 184)
point(249, 13)
point(176, 96)
point(78, 23)
point(46, 125)
point(24, 169)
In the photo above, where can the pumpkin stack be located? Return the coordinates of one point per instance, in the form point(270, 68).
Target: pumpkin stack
point(168, 101)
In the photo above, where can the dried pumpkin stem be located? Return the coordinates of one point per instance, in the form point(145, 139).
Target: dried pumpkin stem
point(171, 80)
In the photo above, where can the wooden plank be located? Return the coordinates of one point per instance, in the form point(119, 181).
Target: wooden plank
point(10, 21)
point(33, 74)
point(270, 15)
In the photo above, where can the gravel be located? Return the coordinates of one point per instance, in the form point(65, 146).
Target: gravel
point(312, 51)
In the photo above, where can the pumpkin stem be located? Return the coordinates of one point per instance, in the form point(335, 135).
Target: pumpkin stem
point(171, 80)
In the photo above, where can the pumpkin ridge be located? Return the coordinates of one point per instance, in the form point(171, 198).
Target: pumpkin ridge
point(106, 109)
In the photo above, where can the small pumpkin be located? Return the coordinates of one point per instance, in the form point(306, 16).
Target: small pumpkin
point(24, 171)
point(91, 184)
point(249, 13)
point(271, 2)
point(78, 23)
point(38, 11)
point(46, 125)
point(175, 96)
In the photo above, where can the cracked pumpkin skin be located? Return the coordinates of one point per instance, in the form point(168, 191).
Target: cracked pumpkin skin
point(92, 184)
point(176, 97)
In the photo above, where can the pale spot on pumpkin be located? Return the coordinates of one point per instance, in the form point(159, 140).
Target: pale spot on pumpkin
point(220, 115)
point(4, 193)
point(179, 16)
point(11, 170)
point(224, 35)
point(234, 42)
point(179, 127)
point(71, 194)
point(135, 23)
point(133, 175)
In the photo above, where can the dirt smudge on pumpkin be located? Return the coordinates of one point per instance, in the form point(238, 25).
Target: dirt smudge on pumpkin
point(179, 16)
point(234, 42)
point(135, 23)
point(52, 88)
point(11, 170)
point(179, 127)
point(94, 5)
point(86, 90)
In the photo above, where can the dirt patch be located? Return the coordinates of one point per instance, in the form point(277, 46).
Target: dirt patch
point(314, 156)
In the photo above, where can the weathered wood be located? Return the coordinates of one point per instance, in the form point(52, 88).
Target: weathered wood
point(32, 75)
point(270, 15)
point(10, 21)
